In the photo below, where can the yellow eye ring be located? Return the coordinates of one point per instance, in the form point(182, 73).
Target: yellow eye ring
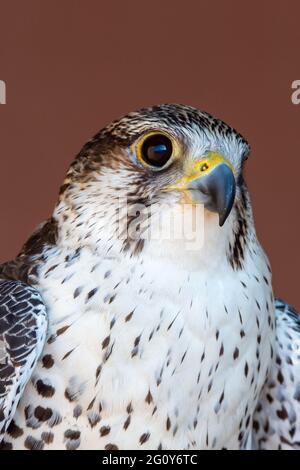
point(155, 150)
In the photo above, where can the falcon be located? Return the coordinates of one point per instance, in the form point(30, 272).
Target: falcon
point(111, 339)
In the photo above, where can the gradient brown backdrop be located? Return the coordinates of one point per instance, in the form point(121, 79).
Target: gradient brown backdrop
point(71, 66)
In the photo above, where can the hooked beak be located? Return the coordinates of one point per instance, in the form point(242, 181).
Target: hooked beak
point(210, 181)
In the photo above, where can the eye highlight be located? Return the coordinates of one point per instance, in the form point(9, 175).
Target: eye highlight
point(155, 150)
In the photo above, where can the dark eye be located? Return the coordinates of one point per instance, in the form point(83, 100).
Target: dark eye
point(156, 150)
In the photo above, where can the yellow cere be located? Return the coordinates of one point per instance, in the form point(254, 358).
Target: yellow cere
point(196, 169)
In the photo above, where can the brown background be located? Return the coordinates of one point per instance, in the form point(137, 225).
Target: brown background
point(71, 66)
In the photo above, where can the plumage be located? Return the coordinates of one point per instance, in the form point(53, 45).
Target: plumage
point(151, 343)
point(23, 325)
point(277, 418)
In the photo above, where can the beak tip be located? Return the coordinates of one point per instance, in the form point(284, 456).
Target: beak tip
point(222, 219)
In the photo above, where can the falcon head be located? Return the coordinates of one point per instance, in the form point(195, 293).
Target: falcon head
point(171, 154)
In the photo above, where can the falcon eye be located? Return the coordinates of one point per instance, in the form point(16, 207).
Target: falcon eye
point(156, 150)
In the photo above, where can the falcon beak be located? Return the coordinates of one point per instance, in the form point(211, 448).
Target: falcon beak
point(209, 181)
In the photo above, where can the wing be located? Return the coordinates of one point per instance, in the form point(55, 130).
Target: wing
point(23, 327)
point(276, 422)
